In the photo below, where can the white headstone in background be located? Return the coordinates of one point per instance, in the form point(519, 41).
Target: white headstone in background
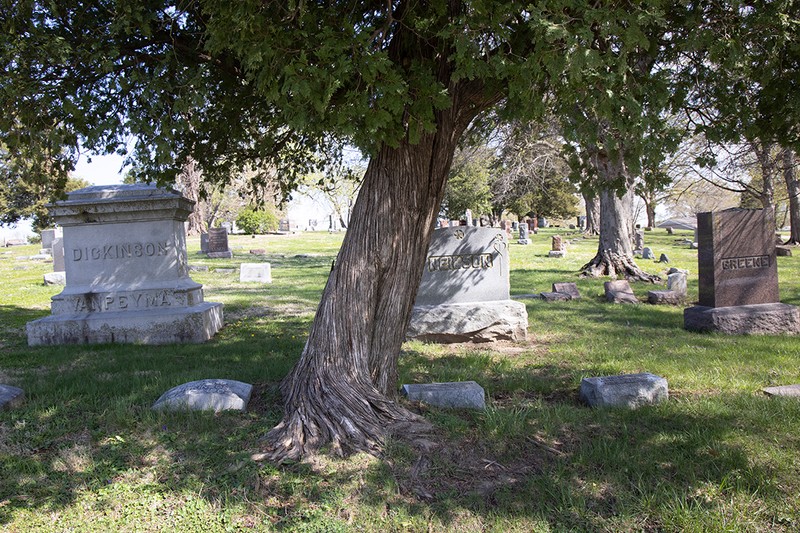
point(127, 271)
point(255, 272)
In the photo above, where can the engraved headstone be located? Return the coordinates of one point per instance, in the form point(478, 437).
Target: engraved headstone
point(464, 291)
point(738, 276)
point(218, 244)
point(126, 271)
point(204, 243)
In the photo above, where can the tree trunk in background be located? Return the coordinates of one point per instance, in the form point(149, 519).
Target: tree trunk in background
point(341, 392)
point(592, 201)
point(189, 181)
point(615, 251)
point(793, 187)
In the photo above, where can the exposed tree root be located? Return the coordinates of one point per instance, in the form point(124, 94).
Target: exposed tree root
point(346, 419)
point(611, 264)
point(792, 242)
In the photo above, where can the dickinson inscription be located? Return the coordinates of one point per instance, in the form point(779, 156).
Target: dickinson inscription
point(127, 271)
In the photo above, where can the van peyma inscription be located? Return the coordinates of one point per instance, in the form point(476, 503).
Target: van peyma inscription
point(93, 303)
point(120, 251)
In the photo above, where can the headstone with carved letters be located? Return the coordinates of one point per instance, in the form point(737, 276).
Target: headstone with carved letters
point(217, 245)
point(127, 272)
point(738, 276)
point(464, 291)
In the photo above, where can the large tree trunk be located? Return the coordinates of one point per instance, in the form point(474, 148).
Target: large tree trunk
point(592, 201)
point(342, 390)
point(615, 251)
point(793, 188)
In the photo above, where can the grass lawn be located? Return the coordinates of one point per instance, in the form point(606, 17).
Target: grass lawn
point(86, 453)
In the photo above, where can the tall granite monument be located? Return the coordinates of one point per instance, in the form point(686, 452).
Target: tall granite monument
point(738, 276)
point(464, 291)
point(127, 271)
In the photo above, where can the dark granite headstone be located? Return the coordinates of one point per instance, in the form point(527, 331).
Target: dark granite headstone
point(218, 243)
point(736, 258)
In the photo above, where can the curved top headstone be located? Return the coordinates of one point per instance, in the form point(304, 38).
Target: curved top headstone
point(465, 264)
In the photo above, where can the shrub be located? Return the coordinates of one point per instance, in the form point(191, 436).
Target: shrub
point(253, 221)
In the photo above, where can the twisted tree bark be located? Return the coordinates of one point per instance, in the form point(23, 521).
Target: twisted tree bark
point(342, 390)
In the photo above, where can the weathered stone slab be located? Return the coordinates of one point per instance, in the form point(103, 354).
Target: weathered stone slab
point(10, 396)
point(255, 272)
point(207, 395)
point(198, 268)
point(570, 289)
point(469, 322)
point(783, 251)
point(792, 391)
point(647, 253)
point(620, 292)
point(258, 251)
point(676, 282)
point(758, 319)
point(220, 255)
point(557, 253)
point(55, 278)
point(465, 264)
point(626, 390)
point(663, 258)
point(204, 243)
point(665, 297)
point(555, 297)
point(458, 395)
point(736, 259)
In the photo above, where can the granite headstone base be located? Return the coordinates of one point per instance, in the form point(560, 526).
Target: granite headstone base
point(458, 394)
point(756, 319)
point(626, 390)
point(469, 322)
point(194, 324)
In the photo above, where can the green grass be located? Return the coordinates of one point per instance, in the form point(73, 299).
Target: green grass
point(85, 452)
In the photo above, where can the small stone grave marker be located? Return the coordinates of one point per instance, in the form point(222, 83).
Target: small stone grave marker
point(558, 248)
point(568, 288)
point(626, 390)
point(555, 297)
point(620, 292)
point(663, 258)
point(783, 390)
point(207, 395)
point(783, 251)
point(255, 272)
point(458, 394)
point(10, 396)
point(55, 278)
point(258, 251)
point(647, 253)
point(523, 234)
point(59, 262)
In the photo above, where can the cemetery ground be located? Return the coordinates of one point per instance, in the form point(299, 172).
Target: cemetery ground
point(85, 452)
